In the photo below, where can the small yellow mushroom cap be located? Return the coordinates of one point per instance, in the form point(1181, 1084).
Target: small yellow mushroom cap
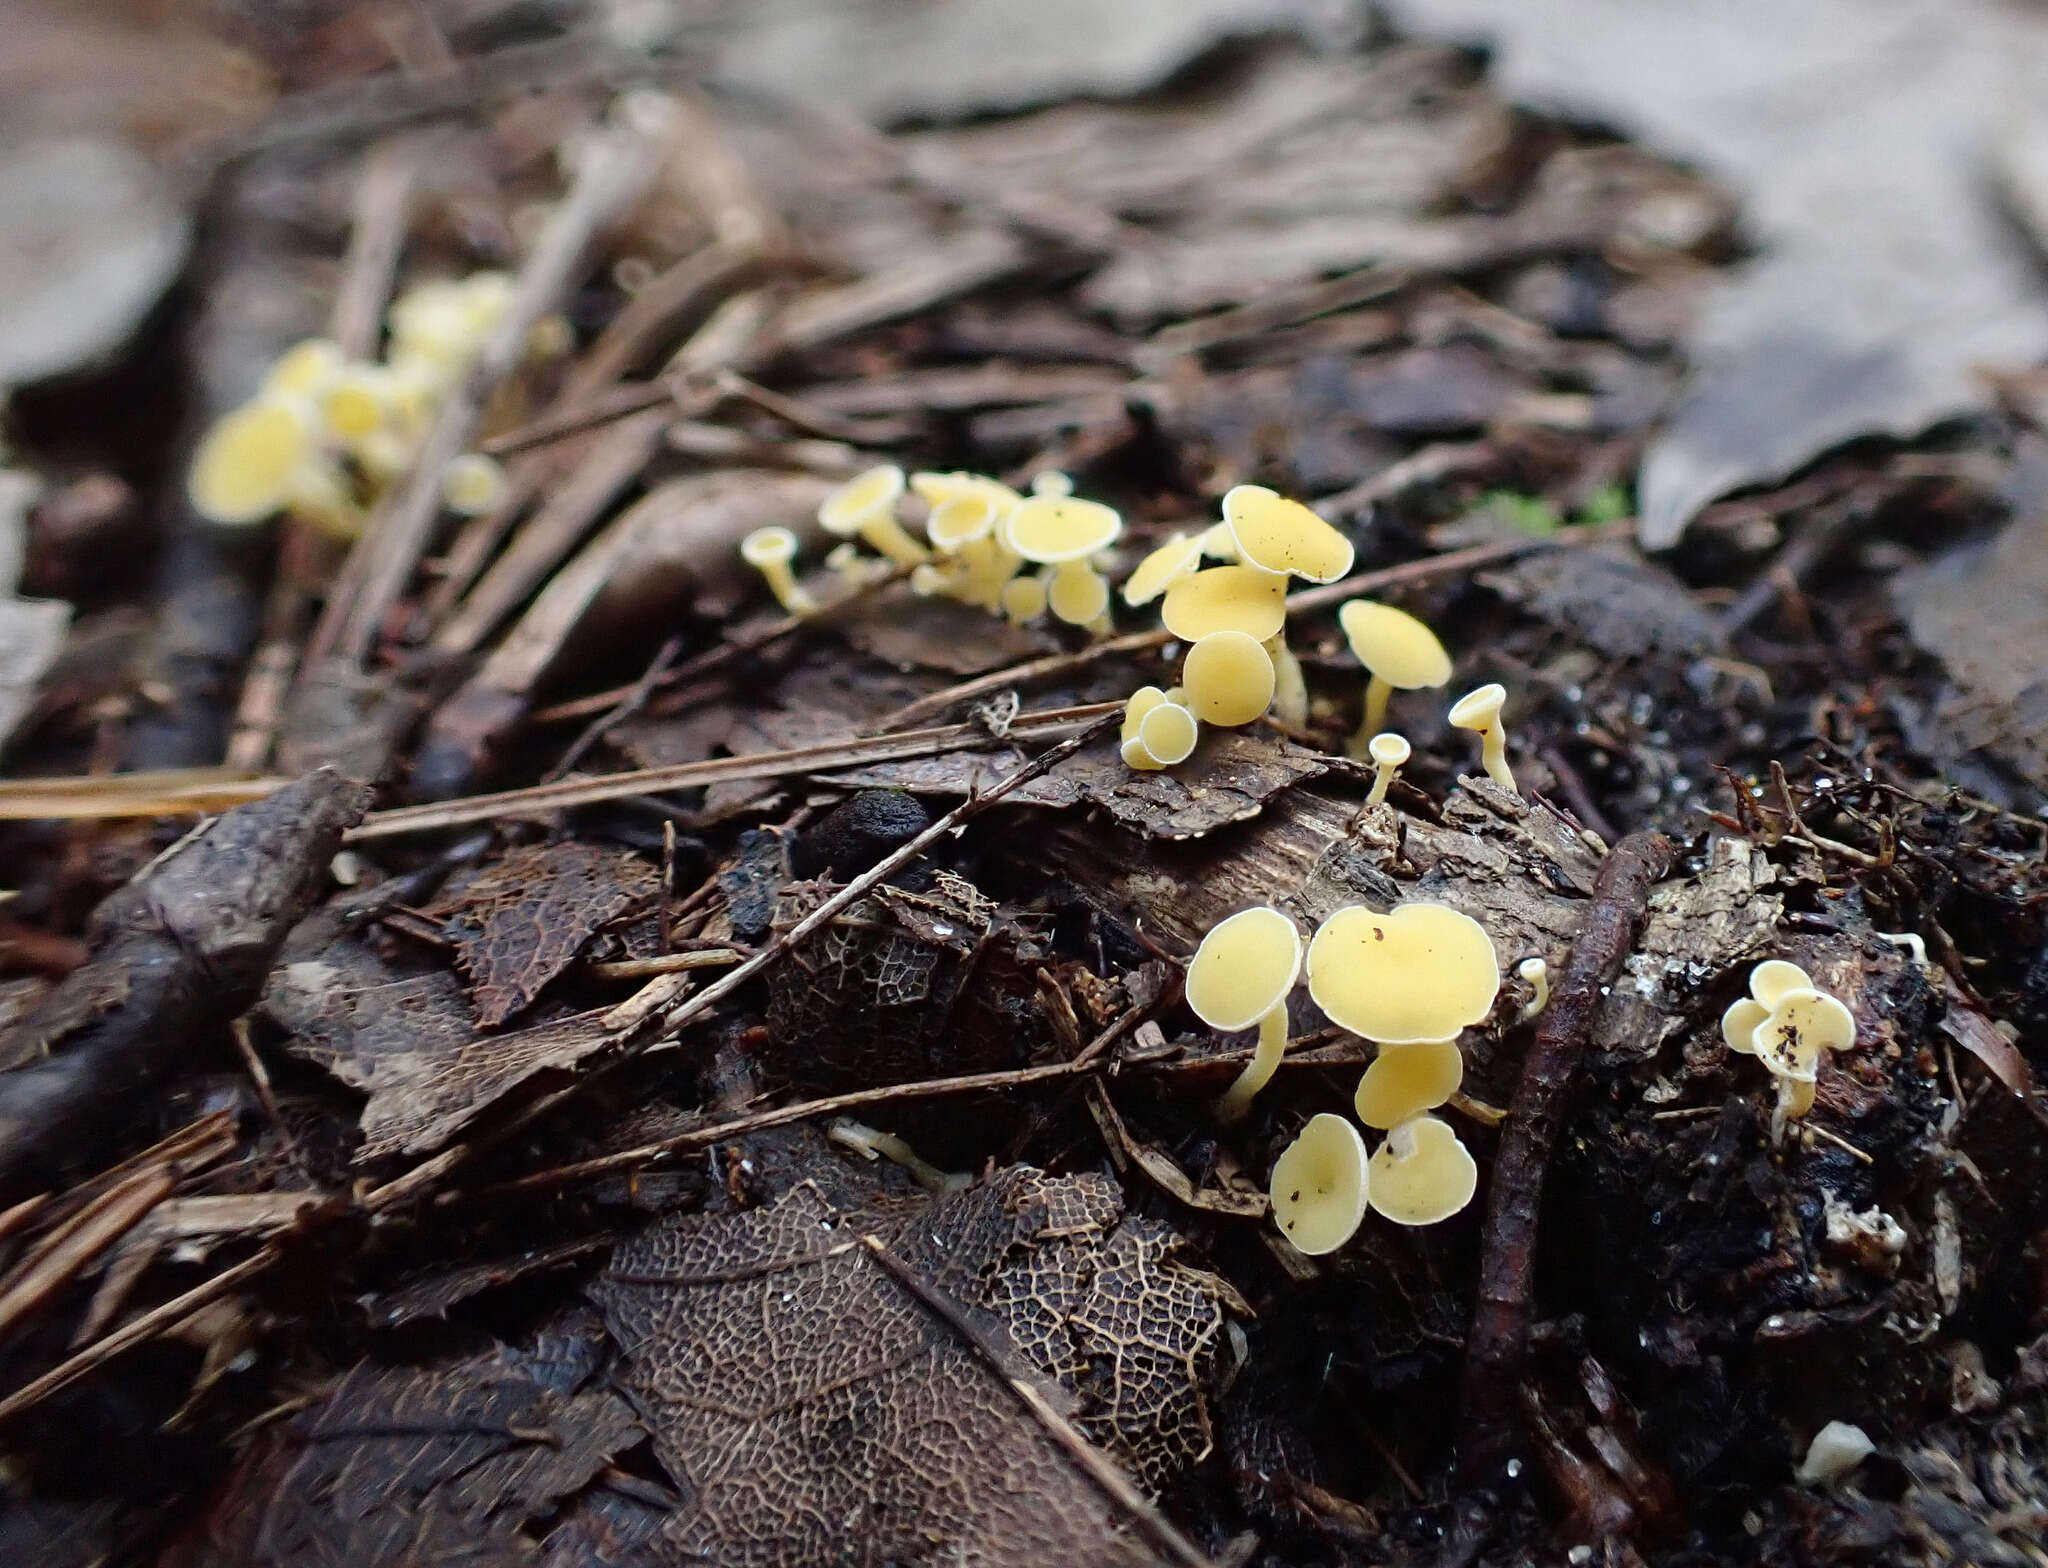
point(304, 369)
point(1168, 564)
point(1276, 534)
point(246, 464)
point(1078, 594)
point(1051, 482)
point(1394, 645)
point(1051, 529)
point(768, 547)
point(1321, 1184)
point(1388, 749)
point(1140, 702)
point(1740, 1024)
point(1422, 972)
point(472, 484)
point(1802, 1025)
point(1480, 709)
point(1229, 678)
point(1244, 968)
point(1772, 978)
point(1218, 543)
point(862, 498)
point(1024, 598)
point(1137, 757)
point(358, 400)
point(937, 489)
point(1169, 733)
point(1422, 1173)
point(959, 520)
point(1226, 599)
point(1405, 1080)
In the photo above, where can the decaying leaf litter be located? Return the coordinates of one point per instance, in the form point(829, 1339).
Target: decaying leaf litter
point(731, 1097)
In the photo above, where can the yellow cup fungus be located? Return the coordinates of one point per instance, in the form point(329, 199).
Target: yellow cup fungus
point(252, 461)
point(1535, 973)
point(770, 552)
point(1786, 1021)
point(1240, 976)
point(1178, 557)
point(1168, 733)
point(865, 507)
point(1321, 1185)
point(305, 369)
point(1226, 598)
point(473, 484)
point(1023, 599)
point(1279, 535)
point(1421, 1173)
point(1388, 752)
point(1228, 678)
point(1405, 1080)
point(1422, 972)
point(1480, 711)
point(1063, 531)
point(1399, 654)
point(1136, 706)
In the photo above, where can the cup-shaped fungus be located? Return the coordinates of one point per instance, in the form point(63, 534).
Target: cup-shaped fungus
point(1388, 751)
point(1480, 711)
point(1168, 733)
point(1240, 976)
point(1321, 1185)
point(1178, 557)
point(1422, 1173)
point(770, 552)
point(1276, 534)
point(865, 507)
point(472, 484)
point(1063, 531)
point(1228, 678)
point(1536, 974)
point(1406, 1080)
point(253, 461)
point(305, 369)
point(1422, 972)
point(1399, 654)
point(1136, 706)
point(1226, 599)
point(1786, 1022)
point(1023, 599)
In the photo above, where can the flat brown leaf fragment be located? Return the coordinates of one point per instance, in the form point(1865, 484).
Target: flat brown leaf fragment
point(813, 1408)
point(407, 1039)
point(400, 1466)
point(522, 921)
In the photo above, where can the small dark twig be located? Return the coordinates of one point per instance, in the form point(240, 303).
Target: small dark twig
point(1492, 1433)
point(631, 703)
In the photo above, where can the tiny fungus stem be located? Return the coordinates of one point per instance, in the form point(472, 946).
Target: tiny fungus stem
point(1377, 693)
point(1492, 1429)
point(1237, 1099)
point(1290, 691)
point(890, 538)
point(1493, 752)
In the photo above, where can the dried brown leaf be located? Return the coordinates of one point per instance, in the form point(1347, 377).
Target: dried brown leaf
point(523, 920)
point(812, 1407)
point(407, 1039)
point(399, 1467)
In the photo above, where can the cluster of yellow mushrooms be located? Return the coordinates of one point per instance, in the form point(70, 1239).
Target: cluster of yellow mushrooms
point(1410, 981)
point(983, 540)
point(1785, 1022)
point(1022, 556)
point(325, 435)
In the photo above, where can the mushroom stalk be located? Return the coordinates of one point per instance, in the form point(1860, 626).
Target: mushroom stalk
point(890, 538)
point(1493, 752)
point(1290, 691)
point(1537, 973)
point(1258, 1072)
point(1377, 692)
